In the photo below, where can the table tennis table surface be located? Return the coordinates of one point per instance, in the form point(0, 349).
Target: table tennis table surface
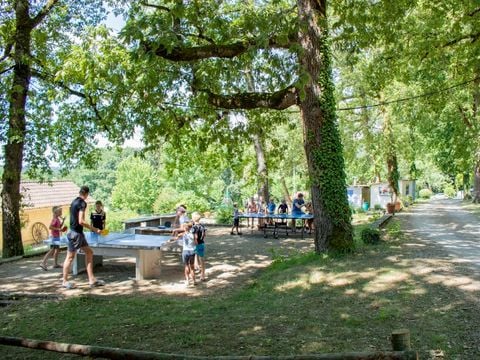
point(128, 240)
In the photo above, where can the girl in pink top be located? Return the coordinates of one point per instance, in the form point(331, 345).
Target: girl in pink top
point(56, 227)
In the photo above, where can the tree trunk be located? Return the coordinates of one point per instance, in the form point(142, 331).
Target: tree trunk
point(262, 172)
point(322, 143)
point(369, 141)
point(12, 236)
point(393, 175)
point(286, 193)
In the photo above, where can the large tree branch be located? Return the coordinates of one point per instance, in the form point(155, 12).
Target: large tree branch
point(7, 69)
point(465, 119)
point(7, 51)
point(472, 37)
point(61, 84)
point(476, 11)
point(179, 53)
point(43, 13)
point(279, 100)
point(155, 6)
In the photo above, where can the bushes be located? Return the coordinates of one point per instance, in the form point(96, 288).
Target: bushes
point(370, 236)
point(425, 193)
point(168, 200)
point(115, 219)
point(449, 191)
point(223, 214)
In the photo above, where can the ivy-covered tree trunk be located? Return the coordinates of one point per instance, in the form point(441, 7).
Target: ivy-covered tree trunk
point(12, 237)
point(333, 229)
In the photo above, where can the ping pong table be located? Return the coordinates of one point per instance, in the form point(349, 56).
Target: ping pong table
point(278, 226)
point(146, 249)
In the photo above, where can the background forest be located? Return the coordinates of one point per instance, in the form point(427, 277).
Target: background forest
point(406, 77)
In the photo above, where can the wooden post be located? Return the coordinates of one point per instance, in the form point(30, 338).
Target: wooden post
point(400, 340)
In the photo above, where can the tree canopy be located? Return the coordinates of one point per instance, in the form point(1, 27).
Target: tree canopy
point(206, 80)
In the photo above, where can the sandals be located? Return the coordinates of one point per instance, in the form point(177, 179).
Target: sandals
point(68, 285)
point(97, 283)
point(44, 267)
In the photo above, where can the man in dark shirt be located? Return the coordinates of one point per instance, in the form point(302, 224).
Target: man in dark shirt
point(77, 241)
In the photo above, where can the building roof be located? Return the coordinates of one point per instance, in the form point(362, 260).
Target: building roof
point(48, 194)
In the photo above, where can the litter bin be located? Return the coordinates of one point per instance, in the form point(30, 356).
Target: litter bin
point(365, 205)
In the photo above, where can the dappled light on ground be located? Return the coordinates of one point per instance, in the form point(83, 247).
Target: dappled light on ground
point(313, 305)
point(230, 260)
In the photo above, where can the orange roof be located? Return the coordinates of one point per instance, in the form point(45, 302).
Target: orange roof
point(47, 194)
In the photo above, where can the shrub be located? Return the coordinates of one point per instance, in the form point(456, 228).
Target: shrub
point(115, 218)
point(360, 210)
point(406, 200)
point(223, 214)
point(168, 200)
point(370, 235)
point(449, 191)
point(377, 207)
point(425, 193)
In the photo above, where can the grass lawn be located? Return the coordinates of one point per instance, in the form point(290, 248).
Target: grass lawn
point(301, 305)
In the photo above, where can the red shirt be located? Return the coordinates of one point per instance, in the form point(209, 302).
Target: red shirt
point(56, 223)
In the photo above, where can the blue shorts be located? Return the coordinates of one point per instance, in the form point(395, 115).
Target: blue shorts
point(55, 243)
point(200, 250)
point(188, 257)
point(76, 241)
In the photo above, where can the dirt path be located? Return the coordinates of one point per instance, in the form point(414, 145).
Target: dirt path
point(451, 228)
point(231, 260)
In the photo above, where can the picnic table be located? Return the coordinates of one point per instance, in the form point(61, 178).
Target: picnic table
point(279, 222)
point(154, 220)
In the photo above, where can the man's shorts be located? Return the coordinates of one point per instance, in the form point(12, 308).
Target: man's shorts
point(236, 221)
point(200, 250)
point(55, 243)
point(188, 257)
point(76, 241)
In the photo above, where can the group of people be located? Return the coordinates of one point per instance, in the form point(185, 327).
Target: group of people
point(76, 239)
point(254, 206)
point(192, 233)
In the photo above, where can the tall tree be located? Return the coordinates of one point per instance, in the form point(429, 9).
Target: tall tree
point(433, 50)
point(213, 38)
point(35, 38)
point(18, 48)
